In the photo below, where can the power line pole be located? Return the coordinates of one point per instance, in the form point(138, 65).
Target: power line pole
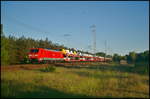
point(93, 27)
point(105, 51)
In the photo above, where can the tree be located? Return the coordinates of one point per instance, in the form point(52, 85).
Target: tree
point(132, 56)
point(4, 52)
point(146, 54)
point(101, 54)
point(41, 44)
point(5, 56)
point(143, 56)
point(109, 56)
point(22, 48)
point(12, 50)
point(116, 57)
point(124, 57)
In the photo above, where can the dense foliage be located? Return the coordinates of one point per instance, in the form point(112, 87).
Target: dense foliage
point(15, 50)
point(133, 57)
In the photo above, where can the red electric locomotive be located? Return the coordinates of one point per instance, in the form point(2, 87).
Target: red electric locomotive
point(44, 55)
point(41, 55)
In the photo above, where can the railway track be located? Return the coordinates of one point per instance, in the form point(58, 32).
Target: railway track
point(38, 66)
point(79, 63)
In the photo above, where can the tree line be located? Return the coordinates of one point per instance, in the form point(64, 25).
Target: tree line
point(131, 58)
point(14, 50)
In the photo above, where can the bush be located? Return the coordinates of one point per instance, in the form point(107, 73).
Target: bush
point(49, 69)
point(142, 67)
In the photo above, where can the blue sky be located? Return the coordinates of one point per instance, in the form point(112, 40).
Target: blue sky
point(123, 25)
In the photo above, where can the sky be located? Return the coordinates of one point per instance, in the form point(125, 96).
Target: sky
point(124, 25)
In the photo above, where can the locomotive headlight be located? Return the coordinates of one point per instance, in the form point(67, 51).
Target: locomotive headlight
point(40, 59)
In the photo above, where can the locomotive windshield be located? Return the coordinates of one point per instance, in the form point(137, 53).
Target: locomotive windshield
point(34, 50)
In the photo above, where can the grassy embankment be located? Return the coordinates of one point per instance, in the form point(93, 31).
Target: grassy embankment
point(103, 81)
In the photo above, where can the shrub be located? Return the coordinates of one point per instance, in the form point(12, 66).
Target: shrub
point(142, 67)
point(49, 69)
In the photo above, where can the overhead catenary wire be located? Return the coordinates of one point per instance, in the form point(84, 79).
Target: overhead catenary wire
point(28, 27)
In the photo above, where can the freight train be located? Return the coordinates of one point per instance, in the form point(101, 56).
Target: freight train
point(62, 55)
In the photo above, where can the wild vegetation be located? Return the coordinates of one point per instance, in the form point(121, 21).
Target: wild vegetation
point(102, 81)
point(48, 69)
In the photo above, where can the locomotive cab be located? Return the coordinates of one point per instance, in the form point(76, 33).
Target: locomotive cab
point(33, 54)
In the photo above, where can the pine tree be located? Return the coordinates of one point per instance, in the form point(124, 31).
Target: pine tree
point(4, 48)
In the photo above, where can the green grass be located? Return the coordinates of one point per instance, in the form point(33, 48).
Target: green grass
point(48, 69)
point(74, 82)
